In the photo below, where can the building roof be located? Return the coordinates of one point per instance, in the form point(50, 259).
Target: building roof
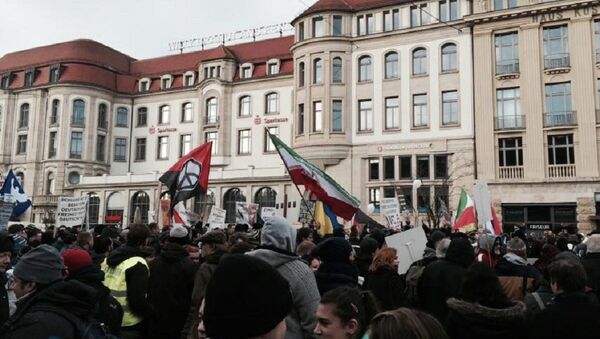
point(347, 6)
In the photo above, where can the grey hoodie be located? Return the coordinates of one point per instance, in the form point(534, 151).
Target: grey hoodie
point(280, 238)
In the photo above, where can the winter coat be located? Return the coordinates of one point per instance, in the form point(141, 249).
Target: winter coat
point(572, 315)
point(331, 275)
point(170, 290)
point(591, 263)
point(516, 276)
point(362, 263)
point(39, 315)
point(468, 320)
point(387, 286)
point(4, 306)
point(532, 304)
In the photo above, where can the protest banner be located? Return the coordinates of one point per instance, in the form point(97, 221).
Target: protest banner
point(217, 217)
point(71, 211)
point(305, 215)
point(245, 213)
point(390, 208)
point(6, 209)
point(267, 212)
point(410, 246)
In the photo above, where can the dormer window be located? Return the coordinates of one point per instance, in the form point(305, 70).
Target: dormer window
point(29, 77)
point(54, 73)
point(5, 80)
point(246, 71)
point(144, 85)
point(273, 67)
point(188, 79)
point(165, 82)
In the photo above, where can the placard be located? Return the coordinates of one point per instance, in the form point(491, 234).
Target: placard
point(245, 213)
point(305, 215)
point(267, 213)
point(71, 211)
point(6, 209)
point(217, 216)
point(390, 208)
point(410, 246)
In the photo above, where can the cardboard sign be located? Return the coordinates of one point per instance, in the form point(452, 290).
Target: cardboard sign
point(390, 208)
point(245, 213)
point(6, 209)
point(217, 216)
point(410, 246)
point(71, 211)
point(267, 212)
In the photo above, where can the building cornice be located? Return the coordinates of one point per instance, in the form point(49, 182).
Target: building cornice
point(527, 10)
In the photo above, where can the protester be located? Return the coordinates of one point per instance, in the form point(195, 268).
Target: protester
point(103, 245)
point(515, 274)
point(7, 245)
point(85, 241)
point(126, 275)
point(406, 323)
point(304, 234)
point(336, 269)
point(345, 312)
point(547, 254)
point(304, 248)
point(312, 262)
point(363, 261)
point(486, 253)
point(441, 248)
point(542, 297)
point(47, 306)
point(384, 281)
point(591, 263)
point(17, 232)
point(246, 298)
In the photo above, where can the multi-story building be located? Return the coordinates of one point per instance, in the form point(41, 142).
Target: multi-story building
point(536, 109)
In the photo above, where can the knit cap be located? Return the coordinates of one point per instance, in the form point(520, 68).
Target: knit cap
point(75, 259)
point(333, 249)
point(7, 244)
point(42, 265)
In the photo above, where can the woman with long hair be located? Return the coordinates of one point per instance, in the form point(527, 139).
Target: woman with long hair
point(384, 281)
point(406, 323)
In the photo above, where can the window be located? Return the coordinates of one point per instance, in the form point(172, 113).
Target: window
point(244, 106)
point(54, 112)
point(24, 116)
point(230, 200)
point(504, 4)
point(391, 65)
point(405, 167)
point(300, 119)
point(162, 152)
point(265, 197)
point(374, 198)
point(120, 149)
point(449, 60)
point(448, 10)
point(272, 68)
point(441, 166)
point(336, 28)
point(140, 201)
point(450, 108)
point(391, 20)
point(189, 80)
point(52, 145)
point(164, 112)
point(417, 16)
point(50, 184)
point(29, 77)
point(336, 116)
point(392, 116)
point(336, 70)
point(561, 150)
point(244, 142)
point(76, 145)
point(272, 103)
point(54, 74)
point(420, 113)
point(78, 118)
point(5, 80)
point(100, 148)
point(389, 170)
point(365, 69)
point(21, 144)
point(365, 115)
point(556, 47)
point(140, 149)
point(301, 31)
point(185, 144)
point(423, 198)
point(361, 25)
point(419, 62)
point(317, 118)
point(165, 83)
point(597, 41)
point(301, 73)
point(74, 178)
point(317, 71)
point(318, 27)
point(102, 116)
point(374, 169)
point(366, 24)
point(246, 72)
point(423, 166)
point(507, 53)
point(212, 116)
point(212, 137)
point(370, 24)
point(144, 86)
point(122, 117)
point(269, 147)
point(142, 116)
point(559, 110)
point(510, 152)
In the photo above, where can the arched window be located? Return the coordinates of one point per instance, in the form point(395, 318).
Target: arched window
point(114, 208)
point(54, 113)
point(230, 199)
point(336, 70)
point(244, 109)
point(141, 201)
point(391, 65)
point(93, 208)
point(102, 116)
point(78, 118)
point(24, 116)
point(365, 69)
point(122, 117)
point(212, 116)
point(186, 112)
point(317, 71)
point(419, 62)
point(203, 204)
point(272, 103)
point(449, 59)
point(163, 114)
point(301, 74)
point(50, 184)
point(265, 197)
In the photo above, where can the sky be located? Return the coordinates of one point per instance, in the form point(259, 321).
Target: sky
point(139, 28)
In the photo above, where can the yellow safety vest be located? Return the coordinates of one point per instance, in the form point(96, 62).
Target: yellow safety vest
point(114, 279)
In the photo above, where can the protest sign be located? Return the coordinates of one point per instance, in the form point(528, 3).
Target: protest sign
point(267, 212)
point(410, 246)
point(390, 208)
point(245, 213)
point(217, 217)
point(6, 209)
point(305, 215)
point(71, 211)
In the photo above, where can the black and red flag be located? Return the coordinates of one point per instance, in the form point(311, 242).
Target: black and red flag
point(189, 176)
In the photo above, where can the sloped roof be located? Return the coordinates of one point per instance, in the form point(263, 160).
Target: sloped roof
point(347, 6)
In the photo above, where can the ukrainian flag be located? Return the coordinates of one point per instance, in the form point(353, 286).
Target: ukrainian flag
point(326, 218)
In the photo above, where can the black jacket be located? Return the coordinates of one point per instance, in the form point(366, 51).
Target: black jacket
point(4, 307)
point(363, 262)
point(572, 315)
point(170, 290)
point(591, 263)
point(335, 274)
point(468, 320)
point(387, 286)
point(38, 315)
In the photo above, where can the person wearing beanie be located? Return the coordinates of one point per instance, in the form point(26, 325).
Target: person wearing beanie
point(170, 286)
point(278, 239)
point(7, 245)
point(515, 274)
point(368, 246)
point(80, 267)
point(230, 312)
point(47, 306)
point(336, 269)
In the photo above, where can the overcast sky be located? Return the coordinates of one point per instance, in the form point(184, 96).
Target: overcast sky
point(139, 28)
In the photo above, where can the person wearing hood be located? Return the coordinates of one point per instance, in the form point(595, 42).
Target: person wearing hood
point(47, 306)
point(442, 279)
point(6, 247)
point(170, 286)
point(482, 310)
point(80, 267)
point(126, 275)
point(515, 274)
point(278, 239)
point(336, 269)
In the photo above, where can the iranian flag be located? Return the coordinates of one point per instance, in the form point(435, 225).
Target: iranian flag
point(318, 182)
point(466, 220)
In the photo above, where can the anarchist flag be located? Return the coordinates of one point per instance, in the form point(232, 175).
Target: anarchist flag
point(189, 176)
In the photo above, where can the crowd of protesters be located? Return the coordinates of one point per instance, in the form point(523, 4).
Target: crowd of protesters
point(274, 281)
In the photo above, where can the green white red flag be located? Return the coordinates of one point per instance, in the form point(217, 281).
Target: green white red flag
point(466, 219)
point(318, 182)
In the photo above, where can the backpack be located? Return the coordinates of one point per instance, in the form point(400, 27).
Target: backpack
point(412, 281)
point(85, 329)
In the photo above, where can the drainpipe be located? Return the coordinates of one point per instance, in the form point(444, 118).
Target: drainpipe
point(473, 101)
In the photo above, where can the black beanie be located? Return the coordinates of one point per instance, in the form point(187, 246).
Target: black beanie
point(7, 244)
point(246, 297)
point(333, 249)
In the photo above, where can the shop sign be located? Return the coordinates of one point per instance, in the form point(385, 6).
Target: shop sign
point(258, 120)
point(113, 218)
point(539, 227)
point(161, 130)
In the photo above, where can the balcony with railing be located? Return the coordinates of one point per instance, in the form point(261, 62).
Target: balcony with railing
point(561, 171)
point(559, 60)
point(510, 172)
point(46, 200)
point(507, 67)
point(510, 122)
point(557, 119)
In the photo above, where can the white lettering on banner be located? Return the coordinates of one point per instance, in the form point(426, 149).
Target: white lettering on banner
point(217, 216)
point(71, 211)
point(390, 208)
